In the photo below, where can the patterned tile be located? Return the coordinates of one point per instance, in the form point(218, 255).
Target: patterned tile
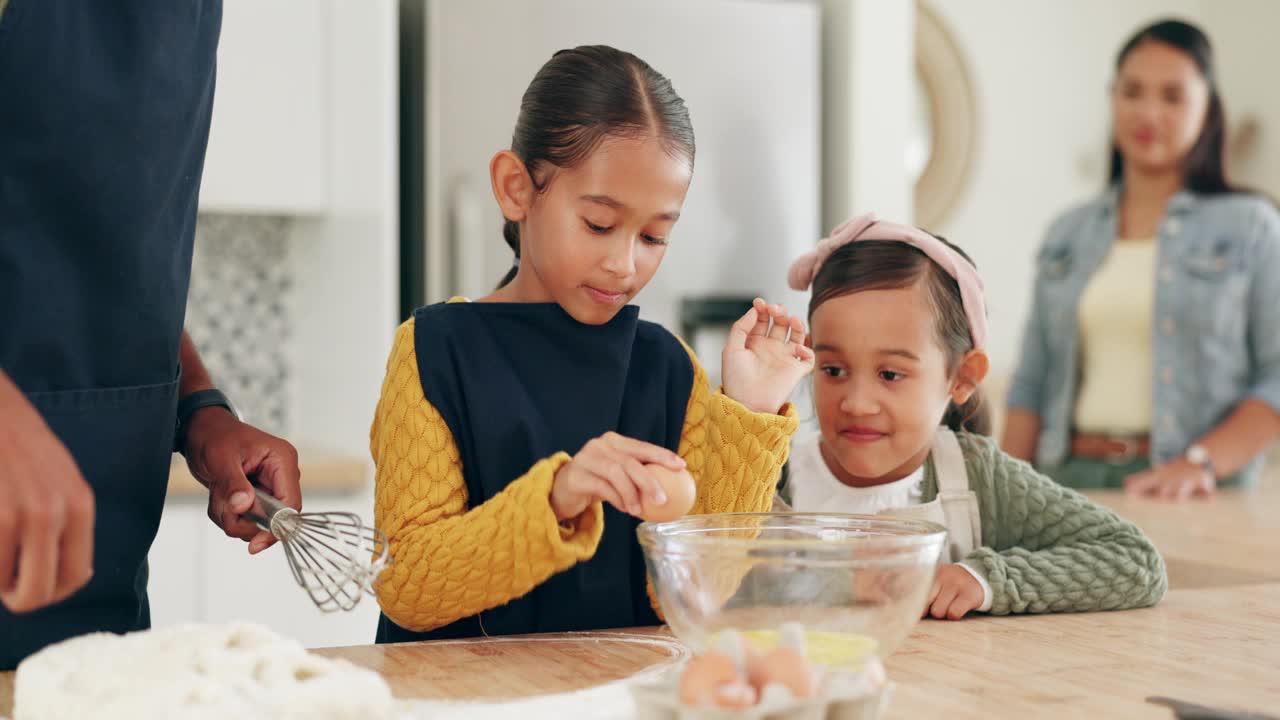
point(238, 312)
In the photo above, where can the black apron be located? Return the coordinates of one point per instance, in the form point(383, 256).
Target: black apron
point(104, 119)
point(517, 383)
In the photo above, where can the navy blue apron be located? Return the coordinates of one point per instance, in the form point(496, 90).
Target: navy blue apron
point(517, 383)
point(104, 119)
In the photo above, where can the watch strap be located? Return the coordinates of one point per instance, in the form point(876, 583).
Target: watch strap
point(188, 406)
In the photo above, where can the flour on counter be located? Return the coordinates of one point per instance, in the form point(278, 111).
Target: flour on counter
point(195, 672)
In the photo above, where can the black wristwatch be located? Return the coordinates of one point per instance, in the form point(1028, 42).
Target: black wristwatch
point(198, 400)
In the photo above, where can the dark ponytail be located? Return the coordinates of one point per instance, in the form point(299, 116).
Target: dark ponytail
point(973, 416)
point(580, 97)
point(889, 265)
point(511, 233)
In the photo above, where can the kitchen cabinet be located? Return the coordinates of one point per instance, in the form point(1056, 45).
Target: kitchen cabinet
point(269, 143)
point(198, 574)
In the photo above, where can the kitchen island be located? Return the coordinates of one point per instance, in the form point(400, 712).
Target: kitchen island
point(1214, 640)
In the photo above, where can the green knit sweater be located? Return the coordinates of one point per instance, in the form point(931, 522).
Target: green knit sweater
point(1047, 548)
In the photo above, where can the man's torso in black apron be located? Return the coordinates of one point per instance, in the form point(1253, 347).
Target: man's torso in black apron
point(104, 119)
point(517, 383)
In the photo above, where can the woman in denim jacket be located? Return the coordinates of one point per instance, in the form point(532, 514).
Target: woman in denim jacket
point(1151, 359)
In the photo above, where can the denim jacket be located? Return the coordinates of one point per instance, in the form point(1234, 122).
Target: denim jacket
point(1215, 329)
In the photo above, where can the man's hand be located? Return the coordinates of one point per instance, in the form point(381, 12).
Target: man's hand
point(223, 453)
point(46, 510)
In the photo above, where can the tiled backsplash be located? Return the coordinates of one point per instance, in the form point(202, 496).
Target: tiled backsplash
point(238, 312)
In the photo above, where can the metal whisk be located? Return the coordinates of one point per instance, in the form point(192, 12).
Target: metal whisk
point(334, 556)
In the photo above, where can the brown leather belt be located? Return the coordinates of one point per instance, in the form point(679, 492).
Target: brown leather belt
point(1112, 448)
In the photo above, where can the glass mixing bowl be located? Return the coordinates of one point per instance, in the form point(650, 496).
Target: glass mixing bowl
point(857, 584)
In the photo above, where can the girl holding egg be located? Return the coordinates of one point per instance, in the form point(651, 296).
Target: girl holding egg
point(899, 329)
point(519, 437)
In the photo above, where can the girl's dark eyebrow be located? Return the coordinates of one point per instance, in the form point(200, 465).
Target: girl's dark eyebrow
point(900, 353)
point(604, 200)
point(618, 205)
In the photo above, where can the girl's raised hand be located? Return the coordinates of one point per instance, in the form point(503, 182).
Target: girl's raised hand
point(765, 357)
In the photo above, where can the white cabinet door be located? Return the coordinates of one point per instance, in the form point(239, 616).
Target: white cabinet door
point(176, 560)
point(200, 575)
point(268, 145)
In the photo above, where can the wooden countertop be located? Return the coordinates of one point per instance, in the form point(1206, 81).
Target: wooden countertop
point(1230, 539)
point(527, 665)
point(1214, 640)
point(1217, 646)
point(322, 472)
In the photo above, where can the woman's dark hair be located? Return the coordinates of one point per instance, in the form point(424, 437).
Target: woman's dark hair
point(891, 265)
point(584, 95)
point(1205, 165)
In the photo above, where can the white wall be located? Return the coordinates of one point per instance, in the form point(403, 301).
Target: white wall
point(1041, 70)
point(1243, 34)
point(867, 66)
point(347, 261)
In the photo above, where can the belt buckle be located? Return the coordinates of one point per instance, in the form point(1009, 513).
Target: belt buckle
point(1128, 451)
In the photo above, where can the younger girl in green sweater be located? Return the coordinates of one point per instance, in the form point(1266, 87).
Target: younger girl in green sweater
point(899, 326)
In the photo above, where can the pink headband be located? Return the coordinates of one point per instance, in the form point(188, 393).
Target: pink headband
point(867, 227)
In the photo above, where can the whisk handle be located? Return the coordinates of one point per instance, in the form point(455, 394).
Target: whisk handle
point(270, 506)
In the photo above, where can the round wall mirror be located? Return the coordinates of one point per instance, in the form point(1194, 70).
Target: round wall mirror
point(943, 141)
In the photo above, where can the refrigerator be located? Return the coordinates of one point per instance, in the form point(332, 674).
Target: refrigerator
point(749, 71)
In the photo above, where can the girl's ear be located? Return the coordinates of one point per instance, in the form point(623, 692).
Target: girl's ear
point(971, 372)
point(512, 185)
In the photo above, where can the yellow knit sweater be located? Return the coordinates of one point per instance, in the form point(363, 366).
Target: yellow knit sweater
point(452, 561)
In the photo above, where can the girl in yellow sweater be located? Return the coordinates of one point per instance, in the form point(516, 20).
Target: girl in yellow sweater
point(513, 433)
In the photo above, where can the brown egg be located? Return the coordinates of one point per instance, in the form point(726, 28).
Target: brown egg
point(681, 492)
point(704, 676)
point(737, 695)
point(782, 666)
